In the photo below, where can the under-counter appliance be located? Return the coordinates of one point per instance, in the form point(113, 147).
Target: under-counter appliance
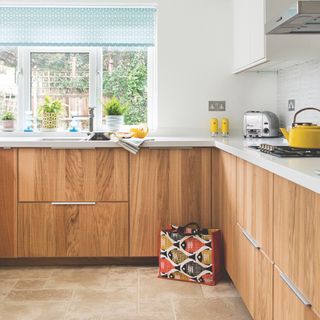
point(260, 124)
point(303, 16)
point(287, 152)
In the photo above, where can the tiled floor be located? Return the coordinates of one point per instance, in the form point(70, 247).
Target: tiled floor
point(111, 293)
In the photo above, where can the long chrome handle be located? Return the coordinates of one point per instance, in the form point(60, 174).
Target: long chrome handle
point(295, 290)
point(73, 203)
point(251, 240)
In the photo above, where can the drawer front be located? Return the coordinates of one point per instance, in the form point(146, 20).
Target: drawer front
point(73, 175)
point(254, 280)
point(297, 236)
point(255, 203)
point(72, 230)
point(288, 303)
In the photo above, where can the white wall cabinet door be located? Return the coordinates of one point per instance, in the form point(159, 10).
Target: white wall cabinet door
point(249, 38)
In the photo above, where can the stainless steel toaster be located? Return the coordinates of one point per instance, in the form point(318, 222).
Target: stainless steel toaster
point(260, 124)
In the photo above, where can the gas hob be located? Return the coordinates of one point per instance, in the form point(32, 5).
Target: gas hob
point(287, 152)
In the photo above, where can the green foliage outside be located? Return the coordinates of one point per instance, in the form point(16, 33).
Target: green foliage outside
point(8, 116)
point(128, 81)
point(114, 107)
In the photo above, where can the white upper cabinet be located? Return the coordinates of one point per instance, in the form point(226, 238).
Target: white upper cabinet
point(253, 50)
point(249, 38)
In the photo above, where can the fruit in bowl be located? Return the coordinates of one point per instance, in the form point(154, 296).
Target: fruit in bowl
point(139, 132)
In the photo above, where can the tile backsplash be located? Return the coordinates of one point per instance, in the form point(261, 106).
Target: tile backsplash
point(301, 83)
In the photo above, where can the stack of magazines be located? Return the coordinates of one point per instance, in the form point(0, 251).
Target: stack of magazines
point(132, 144)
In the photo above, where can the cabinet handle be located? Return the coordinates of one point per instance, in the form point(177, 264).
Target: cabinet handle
point(73, 203)
point(295, 290)
point(251, 240)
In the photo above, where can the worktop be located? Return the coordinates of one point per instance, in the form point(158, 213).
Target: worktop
point(302, 171)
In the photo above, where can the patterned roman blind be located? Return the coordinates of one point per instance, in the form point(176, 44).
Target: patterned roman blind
point(77, 26)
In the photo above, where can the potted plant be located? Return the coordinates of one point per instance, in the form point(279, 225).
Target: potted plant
point(8, 121)
point(49, 112)
point(114, 111)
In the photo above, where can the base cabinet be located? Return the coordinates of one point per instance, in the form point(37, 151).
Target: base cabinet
point(254, 280)
point(167, 186)
point(8, 203)
point(297, 237)
point(287, 306)
point(224, 205)
point(47, 230)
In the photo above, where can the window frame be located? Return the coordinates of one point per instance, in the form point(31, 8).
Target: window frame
point(95, 82)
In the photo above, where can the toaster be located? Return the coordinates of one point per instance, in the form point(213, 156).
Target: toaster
point(260, 124)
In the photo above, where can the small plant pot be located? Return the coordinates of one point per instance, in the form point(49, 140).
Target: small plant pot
point(49, 122)
point(8, 125)
point(114, 123)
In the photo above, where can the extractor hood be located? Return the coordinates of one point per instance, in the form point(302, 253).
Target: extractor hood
point(302, 17)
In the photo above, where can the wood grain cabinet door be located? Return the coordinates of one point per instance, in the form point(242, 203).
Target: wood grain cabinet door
point(47, 230)
point(224, 205)
point(297, 236)
point(167, 186)
point(73, 175)
point(255, 203)
point(287, 306)
point(8, 203)
point(254, 279)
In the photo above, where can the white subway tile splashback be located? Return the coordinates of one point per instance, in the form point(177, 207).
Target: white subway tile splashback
point(302, 83)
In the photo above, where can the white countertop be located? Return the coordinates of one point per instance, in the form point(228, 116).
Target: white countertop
point(299, 170)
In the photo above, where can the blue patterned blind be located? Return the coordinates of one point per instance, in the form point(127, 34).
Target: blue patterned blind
point(77, 26)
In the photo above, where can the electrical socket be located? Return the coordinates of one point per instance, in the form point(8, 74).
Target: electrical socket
point(217, 105)
point(291, 105)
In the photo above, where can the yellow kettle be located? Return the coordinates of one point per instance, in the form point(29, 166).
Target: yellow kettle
point(303, 135)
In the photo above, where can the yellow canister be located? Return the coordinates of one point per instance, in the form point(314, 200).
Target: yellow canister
point(225, 127)
point(214, 127)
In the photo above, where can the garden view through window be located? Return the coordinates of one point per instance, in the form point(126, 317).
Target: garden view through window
point(79, 78)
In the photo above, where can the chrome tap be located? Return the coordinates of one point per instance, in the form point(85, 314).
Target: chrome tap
point(90, 116)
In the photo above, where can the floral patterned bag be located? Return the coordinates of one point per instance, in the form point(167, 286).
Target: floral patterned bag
point(191, 254)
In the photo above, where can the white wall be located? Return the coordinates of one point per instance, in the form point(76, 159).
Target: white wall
point(195, 65)
point(302, 83)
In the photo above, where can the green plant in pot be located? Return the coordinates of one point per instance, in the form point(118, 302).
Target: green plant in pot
point(49, 112)
point(114, 111)
point(8, 119)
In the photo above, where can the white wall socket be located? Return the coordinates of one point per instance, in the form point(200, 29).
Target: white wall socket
point(217, 106)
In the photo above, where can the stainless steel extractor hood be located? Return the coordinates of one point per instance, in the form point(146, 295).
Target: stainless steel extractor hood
point(302, 17)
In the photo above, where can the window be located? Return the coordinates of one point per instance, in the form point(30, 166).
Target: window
point(83, 56)
point(8, 84)
point(80, 77)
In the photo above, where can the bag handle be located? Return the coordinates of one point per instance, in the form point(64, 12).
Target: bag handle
point(182, 229)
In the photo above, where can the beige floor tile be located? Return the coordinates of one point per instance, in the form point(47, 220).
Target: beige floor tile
point(30, 284)
point(138, 316)
point(210, 309)
point(38, 311)
point(122, 277)
point(39, 295)
point(5, 287)
point(79, 311)
point(76, 281)
point(223, 289)
point(163, 289)
point(26, 273)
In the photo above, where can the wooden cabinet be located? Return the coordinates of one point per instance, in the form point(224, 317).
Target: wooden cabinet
point(73, 175)
point(8, 203)
point(167, 186)
point(47, 230)
point(297, 236)
point(224, 205)
point(254, 280)
point(287, 306)
point(249, 38)
point(255, 203)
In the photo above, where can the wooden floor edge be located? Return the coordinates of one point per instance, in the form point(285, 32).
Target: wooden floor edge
point(127, 261)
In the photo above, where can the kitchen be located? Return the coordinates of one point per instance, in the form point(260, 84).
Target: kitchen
point(80, 218)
